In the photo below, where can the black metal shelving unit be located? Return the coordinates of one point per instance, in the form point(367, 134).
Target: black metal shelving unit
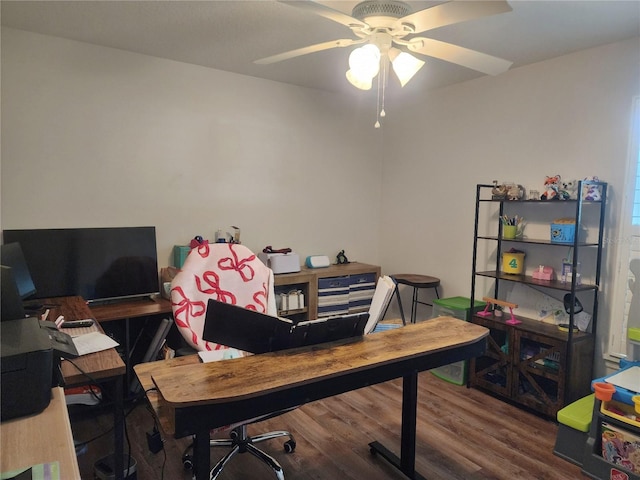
point(509, 362)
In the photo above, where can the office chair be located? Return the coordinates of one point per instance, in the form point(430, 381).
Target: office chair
point(229, 273)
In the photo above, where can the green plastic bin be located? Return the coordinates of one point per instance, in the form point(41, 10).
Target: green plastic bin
point(457, 307)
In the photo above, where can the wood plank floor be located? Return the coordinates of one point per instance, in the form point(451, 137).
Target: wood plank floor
point(463, 434)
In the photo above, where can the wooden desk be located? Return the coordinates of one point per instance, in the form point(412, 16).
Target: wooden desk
point(130, 309)
point(105, 367)
point(42, 438)
point(100, 365)
point(221, 393)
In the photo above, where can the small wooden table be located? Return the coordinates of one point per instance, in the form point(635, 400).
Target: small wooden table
point(42, 438)
point(193, 398)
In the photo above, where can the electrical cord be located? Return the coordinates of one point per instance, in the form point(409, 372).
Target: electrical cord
point(126, 414)
point(135, 401)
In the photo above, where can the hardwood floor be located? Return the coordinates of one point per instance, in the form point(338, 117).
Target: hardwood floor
point(463, 434)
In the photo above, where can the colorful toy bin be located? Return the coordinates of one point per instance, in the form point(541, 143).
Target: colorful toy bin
point(563, 230)
point(513, 262)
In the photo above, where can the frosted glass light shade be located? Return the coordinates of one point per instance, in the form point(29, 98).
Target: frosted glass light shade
point(404, 65)
point(361, 83)
point(365, 61)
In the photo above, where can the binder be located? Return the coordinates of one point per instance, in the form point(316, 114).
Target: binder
point(255, 332)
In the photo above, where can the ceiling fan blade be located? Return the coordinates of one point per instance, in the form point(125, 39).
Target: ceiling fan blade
point(459, 55)
point(326, 12)
point(453, 12)
point(318, 47)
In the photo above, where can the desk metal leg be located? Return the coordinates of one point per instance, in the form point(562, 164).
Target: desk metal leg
point(407, 461)
point(118, 428)
point(201, 455)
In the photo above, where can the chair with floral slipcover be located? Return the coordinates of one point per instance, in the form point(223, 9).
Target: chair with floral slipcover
point(233, 274)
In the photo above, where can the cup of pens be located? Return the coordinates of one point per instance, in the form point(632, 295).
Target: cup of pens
point(511, 227)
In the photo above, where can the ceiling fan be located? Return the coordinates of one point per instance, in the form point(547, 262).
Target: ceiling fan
point(387, 28)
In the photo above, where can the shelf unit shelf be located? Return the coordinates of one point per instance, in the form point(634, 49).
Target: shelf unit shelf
point(529, 280)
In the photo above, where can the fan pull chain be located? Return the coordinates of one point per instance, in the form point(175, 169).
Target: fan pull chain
point(382, 78)
point(377, 124)
point(384, 87)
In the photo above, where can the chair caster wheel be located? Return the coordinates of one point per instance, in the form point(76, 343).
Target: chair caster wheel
point(187, 462)
point(290, 446)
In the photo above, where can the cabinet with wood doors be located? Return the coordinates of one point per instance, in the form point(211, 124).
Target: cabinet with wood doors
point(535, 362)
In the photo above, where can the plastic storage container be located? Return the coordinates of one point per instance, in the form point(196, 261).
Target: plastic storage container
point(457, 307)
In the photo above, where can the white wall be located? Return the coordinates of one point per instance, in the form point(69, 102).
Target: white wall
point(568, 116)
point(100, 137)
point(94, 136)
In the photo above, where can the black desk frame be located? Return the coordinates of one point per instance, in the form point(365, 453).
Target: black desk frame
point(199, 420)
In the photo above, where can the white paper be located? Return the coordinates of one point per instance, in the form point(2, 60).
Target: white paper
point(216, 355)
point(381, 298)
point(628, 378)
point(93, 342)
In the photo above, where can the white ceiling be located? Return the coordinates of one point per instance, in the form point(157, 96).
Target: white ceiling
point(230, 35)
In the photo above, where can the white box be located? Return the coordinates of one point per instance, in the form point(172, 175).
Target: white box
point(281, 262)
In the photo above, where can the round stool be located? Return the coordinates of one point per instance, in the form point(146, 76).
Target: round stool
point(417, 282)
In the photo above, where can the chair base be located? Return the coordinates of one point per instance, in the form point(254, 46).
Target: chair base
point(240, 442)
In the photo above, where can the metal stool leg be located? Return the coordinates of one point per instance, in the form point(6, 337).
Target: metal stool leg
point(414, 305)
point(397, 294)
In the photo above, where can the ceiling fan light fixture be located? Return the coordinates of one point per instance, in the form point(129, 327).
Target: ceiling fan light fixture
point(364, 62)
point(404, 65)
point(363, 83)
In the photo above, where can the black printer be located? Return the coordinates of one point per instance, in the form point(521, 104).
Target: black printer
point(27, 368)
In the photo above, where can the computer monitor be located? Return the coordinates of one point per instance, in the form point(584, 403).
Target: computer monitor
point(10, 302)
point(11, 256)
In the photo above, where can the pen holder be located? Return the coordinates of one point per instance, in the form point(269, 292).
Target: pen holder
point(509, 231)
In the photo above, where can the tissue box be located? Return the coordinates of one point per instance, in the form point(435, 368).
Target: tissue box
point(281, 262)
point(563, 230)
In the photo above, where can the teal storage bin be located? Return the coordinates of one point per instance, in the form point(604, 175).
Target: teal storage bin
point(457, 307)
point(180, 253)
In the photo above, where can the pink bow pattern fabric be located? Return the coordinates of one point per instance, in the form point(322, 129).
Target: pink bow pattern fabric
point(226, 272)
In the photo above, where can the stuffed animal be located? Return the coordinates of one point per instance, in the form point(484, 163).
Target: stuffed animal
point(498, 192)
point(569, 190)
point(515, 192)
point(551, 188)
point(591, 192)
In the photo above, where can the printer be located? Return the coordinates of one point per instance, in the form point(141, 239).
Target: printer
point(30, 352)
point(281, 262)
point(27, 368)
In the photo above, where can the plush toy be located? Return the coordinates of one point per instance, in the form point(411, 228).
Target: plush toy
point(569, 190)
point(551, 188)
point(515, 192)
point(591, 192)
point(498, 192)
